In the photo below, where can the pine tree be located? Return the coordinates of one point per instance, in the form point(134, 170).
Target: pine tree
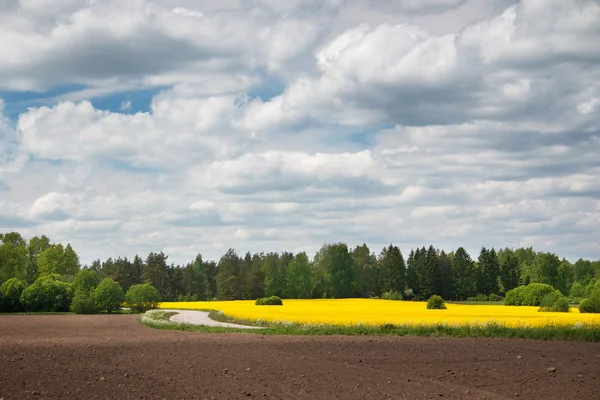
point(463, 274)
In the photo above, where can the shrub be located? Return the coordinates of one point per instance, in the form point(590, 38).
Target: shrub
point(530, 295)
point(409, 294)
point(108, 295)
point(586, 306)
point(142, 297)
point(391, 295)
point(47, 294)
point(495, 297)
point(83, 303)
point(269, 301)
point(10, 295)
point(554, 302)
point(435, 302)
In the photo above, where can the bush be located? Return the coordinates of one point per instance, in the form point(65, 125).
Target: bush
point(592, 304)
point(47, 294)
point(530, 295)
point(10, 295)
point(108, 295)
point(586, 306)
point(391, 295)
point(554, 302)
point(142, 297)
point(83, 303)
point(495, 297)
point(269, 301)
point(435, 302)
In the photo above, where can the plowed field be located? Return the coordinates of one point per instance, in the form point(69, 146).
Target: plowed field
point(88, 357)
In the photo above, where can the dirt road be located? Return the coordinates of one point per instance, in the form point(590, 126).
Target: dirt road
point(77, 357)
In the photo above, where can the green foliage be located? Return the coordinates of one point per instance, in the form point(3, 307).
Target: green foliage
point(530, 295)
point(228, 277)
point(299, 283)
point(577, 290)
point(392, 270)
point(391, 295)
point(269, 301)
point(47, 294)
point(85, 280)
point(10, 295)
point(108, 295)
point(142, 297)
point(435, 302)
point(586, 306)
point(554, 302)
point(83, 302)
point(495, 297)
point(463, 275)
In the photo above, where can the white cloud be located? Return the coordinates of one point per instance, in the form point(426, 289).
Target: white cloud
point(383, 133)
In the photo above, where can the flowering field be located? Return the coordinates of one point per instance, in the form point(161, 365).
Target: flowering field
point(348, 312)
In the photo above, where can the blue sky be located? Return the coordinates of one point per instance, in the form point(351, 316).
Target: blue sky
point(193, 126)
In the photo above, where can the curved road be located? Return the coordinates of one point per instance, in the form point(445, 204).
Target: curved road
point(201, 318)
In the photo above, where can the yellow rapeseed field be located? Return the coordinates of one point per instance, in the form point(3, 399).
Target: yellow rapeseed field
point(377, 312)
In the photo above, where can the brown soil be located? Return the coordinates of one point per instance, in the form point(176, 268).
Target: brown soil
point(87, 357)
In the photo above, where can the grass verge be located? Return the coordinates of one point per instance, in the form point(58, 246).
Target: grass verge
point(160, 319)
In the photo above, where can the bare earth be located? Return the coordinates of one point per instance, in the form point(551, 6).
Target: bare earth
point(88, 357)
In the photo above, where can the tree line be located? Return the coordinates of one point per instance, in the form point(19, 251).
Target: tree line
point(335, 271)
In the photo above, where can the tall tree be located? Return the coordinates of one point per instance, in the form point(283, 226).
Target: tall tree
point(446, 283)
point(228, 279)
point(392, 270)
point(545, 269)
point(366, 264)
point(13, 257)
point(412, 280)
point(343, 277)
point(509, 270)
point(36, 245)
point(299, 284)
point(463, 274)
point(155, 272)
point(255, 278)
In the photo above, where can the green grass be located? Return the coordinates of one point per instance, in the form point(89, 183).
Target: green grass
point(160, 320)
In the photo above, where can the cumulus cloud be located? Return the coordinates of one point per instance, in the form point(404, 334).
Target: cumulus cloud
point(380, 133)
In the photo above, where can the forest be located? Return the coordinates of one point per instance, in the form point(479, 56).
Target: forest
point(335, 271)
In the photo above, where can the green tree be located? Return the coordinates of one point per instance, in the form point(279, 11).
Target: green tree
point(299, 284)
point(366, 264)
point(340, 268)
point(155, 271)
point(83, 302)
point(10, 295)
point(70, 261)
point(85, 280)
point(50, 260)
point(13, 257)
point(545, 269)
point(509, 269)
point(255, 278)
point(108, 295)
point(47, 293)
point(412, 280)
point(392, 270)
point(36, 245)
point(228, 279)
point(446, 262)
point(142, 297)
point(463, 275)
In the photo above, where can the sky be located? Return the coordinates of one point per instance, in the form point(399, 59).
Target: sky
point(195, 126)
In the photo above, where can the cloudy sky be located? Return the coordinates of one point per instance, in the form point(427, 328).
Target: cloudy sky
point(130, 126)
